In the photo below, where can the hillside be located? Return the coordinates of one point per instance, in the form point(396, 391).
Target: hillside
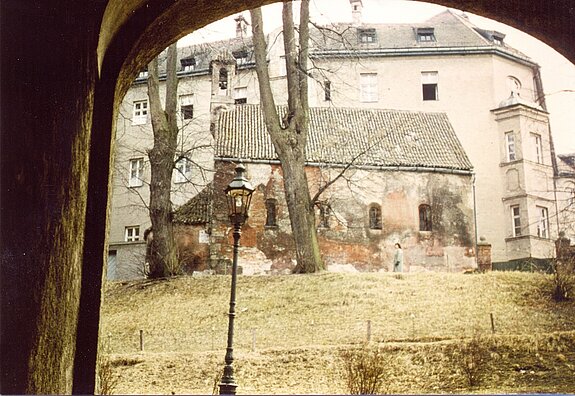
point(290, 331)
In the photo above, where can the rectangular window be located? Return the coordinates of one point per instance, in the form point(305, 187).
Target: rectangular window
point(538, 148)
point(367, 36)
point(543, 223)
point(327, 91)
point(368, 90)
point(183, 170)
point(136, 172)
point(510, 146)
point(282, 69)
point(140, 112)
point(429, 85)
point(516, 220)
point(132, 234)
point(187, 106)
point(241, 95)
point(143, 73)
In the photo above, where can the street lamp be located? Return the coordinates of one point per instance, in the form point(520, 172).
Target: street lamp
point(239, 196)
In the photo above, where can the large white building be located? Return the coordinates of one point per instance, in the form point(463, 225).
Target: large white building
point(492, 95)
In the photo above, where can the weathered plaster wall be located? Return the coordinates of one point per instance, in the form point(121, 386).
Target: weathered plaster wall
point(348, 239)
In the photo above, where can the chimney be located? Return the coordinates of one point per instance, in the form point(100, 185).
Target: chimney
point(356, 8)
point(241, 26)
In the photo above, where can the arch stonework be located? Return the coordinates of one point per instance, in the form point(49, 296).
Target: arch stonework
point(65, 65)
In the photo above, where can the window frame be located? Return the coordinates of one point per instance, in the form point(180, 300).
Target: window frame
point(430, 84)
point(510, 146)
point(368, 87)
point(367, 36)
point(515, 211)
point(542, 222)
point(241, 95)
point(538, 147)
point(136, 172)
point(140, 111)
point(132, 233)
point(425, 35)
point(182, 175)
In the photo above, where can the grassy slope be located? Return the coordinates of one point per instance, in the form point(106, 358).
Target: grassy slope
point(298, 322)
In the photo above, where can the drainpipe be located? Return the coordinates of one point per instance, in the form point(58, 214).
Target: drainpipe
point(473, 178)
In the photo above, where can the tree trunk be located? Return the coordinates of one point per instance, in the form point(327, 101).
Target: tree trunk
point(289, 135)
point(161, 254)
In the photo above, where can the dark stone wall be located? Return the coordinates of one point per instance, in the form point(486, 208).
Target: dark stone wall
point(59, 91)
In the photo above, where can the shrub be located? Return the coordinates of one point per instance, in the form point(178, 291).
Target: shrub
point(364, 370)
point(471, 358)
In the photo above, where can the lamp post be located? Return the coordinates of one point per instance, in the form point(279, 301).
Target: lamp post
point(239, 196)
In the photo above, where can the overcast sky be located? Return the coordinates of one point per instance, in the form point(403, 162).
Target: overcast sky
point(557, 72)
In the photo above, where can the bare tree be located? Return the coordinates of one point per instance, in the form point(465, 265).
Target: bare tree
point(289, 133)
point(161, 254)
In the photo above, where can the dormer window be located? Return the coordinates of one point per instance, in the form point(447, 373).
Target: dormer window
point(497, 38)
point(143, 73)
point(426, 35)
point(241, 56)
point(188, 64)
point(367, 36)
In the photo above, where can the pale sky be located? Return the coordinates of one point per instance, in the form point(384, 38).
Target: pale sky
point(557, 72)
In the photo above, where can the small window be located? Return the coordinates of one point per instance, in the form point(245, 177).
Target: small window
point(187, 112)
point(367, 36)
point(136, 172)
point(187, 106)
point(368, 87)
point(510, 146)
point(324, 212)
point(514, 85)
point(132, 234)
point(543, 223)
point(223, 81)
point(282, 68)
point(188, 64)
point(425, 35)
point(327, 91)
point(241, 56)
point(497, 38)
point(241, 95)
point(271, 213)
point(140, 112)
point(143, 73)
point(375, 217)
point(429, 85)
point(516, 220)
point(424, 217)
point(183, 170)
point(538, 147)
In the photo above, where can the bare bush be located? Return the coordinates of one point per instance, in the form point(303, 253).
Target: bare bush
point(365, 369)
point(471, 358)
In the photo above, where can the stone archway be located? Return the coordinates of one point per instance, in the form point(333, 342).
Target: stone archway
point(65, 66)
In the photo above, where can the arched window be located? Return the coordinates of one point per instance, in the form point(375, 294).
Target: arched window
point(375, 217)
point(271, 212)
point(424, 217)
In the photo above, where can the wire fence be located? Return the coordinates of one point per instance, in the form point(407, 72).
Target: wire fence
point(245, 338)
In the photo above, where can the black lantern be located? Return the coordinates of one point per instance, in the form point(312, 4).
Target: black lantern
point(239, 196)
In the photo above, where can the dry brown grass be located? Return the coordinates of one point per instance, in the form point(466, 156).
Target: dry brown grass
point(301, 323)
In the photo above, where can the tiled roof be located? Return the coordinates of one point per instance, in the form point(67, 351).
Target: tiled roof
point(367, 137)
point(197, 209)
point(451, 31)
